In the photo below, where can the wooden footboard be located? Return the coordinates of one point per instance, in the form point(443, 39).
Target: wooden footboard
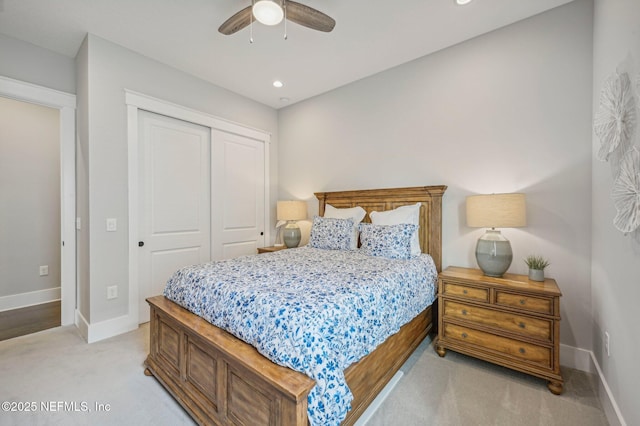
point(219, 379)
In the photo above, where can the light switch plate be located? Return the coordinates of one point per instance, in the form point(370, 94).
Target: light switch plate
point(112, 224)
point(112, 292)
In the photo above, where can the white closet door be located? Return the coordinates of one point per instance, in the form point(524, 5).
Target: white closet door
point(238, 195)
point(174, 221)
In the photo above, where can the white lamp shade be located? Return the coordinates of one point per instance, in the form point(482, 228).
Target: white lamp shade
point(291, 210)
point(268, 12)
point(496, 211)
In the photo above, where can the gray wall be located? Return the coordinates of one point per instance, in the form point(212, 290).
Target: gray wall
point(111, 69)
point(29, 197)
point(83, 248)
point(27, 62)
point(615, 257)
point(507, 111)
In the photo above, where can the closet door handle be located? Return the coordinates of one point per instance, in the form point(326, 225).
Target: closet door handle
point(140, 243)
point(261, 233)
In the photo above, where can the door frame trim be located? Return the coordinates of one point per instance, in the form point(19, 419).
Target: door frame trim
point(65, 103)
point(137, 101)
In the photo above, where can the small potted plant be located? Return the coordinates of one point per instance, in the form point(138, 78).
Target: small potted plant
point(536, 266)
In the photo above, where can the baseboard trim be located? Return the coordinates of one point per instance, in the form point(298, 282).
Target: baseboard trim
point(94, 332)
point(23, 300)
point(609, 404)
point(577, 358)
point(584, 360)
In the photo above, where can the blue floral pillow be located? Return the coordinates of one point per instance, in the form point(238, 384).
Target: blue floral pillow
point(390, 241)
point(331, 234)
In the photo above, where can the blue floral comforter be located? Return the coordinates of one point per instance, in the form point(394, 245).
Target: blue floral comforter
point(315, 311)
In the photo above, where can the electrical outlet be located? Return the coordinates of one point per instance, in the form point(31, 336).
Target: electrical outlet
point(112, 292)
point(607, 343)
point(44, 270)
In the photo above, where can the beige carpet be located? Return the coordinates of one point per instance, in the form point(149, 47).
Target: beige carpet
point(64, 376)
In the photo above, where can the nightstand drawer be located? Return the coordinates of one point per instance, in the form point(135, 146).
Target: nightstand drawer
point(536, 304)
point(467, 292)
point(503, 345)
point(514, 323)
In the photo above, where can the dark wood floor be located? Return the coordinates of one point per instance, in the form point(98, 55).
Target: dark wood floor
point(19, 322)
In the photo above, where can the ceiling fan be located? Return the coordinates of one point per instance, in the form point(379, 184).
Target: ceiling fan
point(272, 12)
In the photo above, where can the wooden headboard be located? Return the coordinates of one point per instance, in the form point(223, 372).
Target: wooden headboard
point(391, 198)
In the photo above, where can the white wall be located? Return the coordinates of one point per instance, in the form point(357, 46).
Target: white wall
point(507, 111)
point(615, 257)
point(30, 198)
point(27, 62)
point(111, 69)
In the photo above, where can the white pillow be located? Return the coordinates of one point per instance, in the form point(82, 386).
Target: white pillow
point(403, 214)
point(355, 213)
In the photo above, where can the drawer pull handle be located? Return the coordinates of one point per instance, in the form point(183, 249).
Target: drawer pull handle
point(522, 301)
point(464, 291)
point(464, 312)
point(522, 351)
point(522, 325)
point(464, 335)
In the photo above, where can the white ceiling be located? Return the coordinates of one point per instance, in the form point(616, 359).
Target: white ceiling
point(370, 36)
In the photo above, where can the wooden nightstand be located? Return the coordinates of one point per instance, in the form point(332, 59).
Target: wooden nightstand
point(509, 321)
point(270, 249)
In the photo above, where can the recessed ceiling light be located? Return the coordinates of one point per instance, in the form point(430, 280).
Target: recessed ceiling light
point(284, 99)
point(278, 84)
point(463, 2)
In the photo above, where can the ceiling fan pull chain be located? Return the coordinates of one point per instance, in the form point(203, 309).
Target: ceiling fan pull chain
point(284, 6)
point(251, 24)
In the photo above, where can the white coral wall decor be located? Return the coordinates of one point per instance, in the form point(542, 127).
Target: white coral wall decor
point(616, 119)
point(626, 193)
point(615, 124)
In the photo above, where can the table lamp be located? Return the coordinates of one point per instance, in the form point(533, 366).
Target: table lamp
point(493, 251)
point(291, 211)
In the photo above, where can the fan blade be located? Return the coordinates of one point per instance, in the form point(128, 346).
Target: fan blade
point(309, 17)
point(237, 22)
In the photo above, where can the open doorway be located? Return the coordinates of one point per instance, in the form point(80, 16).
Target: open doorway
point(30, 250)
point(37, 215)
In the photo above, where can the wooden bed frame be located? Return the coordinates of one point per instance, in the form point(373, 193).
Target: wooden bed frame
point(222, 380)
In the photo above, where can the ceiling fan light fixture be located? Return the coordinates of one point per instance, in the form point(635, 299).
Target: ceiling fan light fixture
point(268, 12)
